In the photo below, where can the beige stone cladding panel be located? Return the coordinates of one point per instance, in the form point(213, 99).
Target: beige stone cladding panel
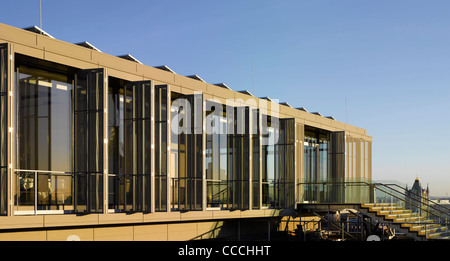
point(82, 234)
point(182, 231)
point(124, 233)
point(156, 232)
point(24, 236)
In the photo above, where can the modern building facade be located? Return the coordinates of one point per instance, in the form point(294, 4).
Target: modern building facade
point(103, 147)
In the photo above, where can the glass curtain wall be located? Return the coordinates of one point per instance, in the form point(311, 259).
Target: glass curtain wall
point(137, 160)
point(227, 156)
point(239, 158)
point(161, 147)
point(269, 130)
point(357, 168)
point(316, 146)
point(256, 182)
point(336, 165)
point(129, 122)
point(324, 161)
point(285, 165)
point(186, 157)
point(43, 179)
point(3, 128)
point(116, 144)
point(217, 155)
point(278, 162)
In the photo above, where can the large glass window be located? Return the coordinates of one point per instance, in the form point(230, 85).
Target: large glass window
point(116, 153)
point(186, 152)
point(285, 164)
point(239, 150)
point(129, 149)
point(278, 158)
point(227, 156)
point(269, 130)
point(217, 157)
point(44, 139)
point(324, 165)
point(316, 163)
point(256, 183)
point(44, 120)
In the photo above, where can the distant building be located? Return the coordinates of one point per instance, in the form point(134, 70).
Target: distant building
point(417, 196)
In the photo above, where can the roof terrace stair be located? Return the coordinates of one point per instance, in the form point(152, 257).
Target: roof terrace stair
point(419, 227)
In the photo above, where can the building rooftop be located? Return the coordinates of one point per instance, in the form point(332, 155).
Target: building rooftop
point(196, 77)
point(129, 57)
point(38, 30)
point(88, 45)
point(246, 92)
point(165, 68)
point(223, 85)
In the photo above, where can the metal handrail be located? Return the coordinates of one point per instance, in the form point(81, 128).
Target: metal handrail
point(45, 171)
point(442, 206)
point(385, 185)
point(59, 173)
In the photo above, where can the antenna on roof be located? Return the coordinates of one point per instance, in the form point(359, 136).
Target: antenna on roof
point(40, 14)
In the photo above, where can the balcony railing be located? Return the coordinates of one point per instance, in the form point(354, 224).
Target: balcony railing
point(39, 192)
point(186, 194)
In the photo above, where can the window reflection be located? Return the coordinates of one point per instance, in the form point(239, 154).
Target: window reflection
point(278, 163)
point(44, 138)
point(316, 147)
point(186, 153)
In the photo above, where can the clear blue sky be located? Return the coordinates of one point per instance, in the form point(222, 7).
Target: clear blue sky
point(389, 59)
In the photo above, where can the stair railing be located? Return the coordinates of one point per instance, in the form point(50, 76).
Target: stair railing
point(423, 204)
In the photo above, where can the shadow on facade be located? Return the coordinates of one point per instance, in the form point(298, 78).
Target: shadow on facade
point(267, 229)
